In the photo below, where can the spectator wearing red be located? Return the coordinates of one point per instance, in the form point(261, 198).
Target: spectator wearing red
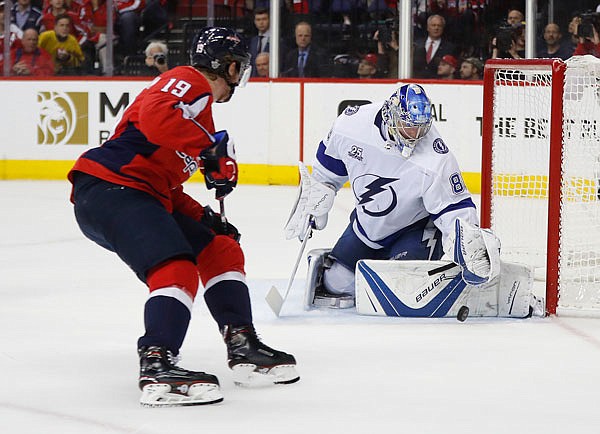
point(79, 29)
point(300, 7)
point(588, 38)
point(96, 11)
point(80, 8)
point(367, 67)
point(29, 59)
point(447, 67)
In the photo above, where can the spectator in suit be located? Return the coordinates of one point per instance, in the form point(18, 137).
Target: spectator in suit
point(306, 60)
point(28, 59)
point(262, 65)
point(428, 52)
point(260, 43)
point(553, 46)
point(26, 16)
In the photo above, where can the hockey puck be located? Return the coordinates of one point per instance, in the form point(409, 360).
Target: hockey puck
point(463, 313)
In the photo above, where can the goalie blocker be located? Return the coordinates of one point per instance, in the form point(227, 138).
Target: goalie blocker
point(437, 289)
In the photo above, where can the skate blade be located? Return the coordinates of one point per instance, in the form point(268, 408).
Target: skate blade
point(249, 375)
point(160, 395)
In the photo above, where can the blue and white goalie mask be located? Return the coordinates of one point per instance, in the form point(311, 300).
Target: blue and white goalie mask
point(407, 117)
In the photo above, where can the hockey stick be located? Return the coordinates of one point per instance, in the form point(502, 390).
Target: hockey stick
point(222, 211)
point(273, 297)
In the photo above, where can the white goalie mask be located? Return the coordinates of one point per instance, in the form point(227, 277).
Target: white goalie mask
point(407, 117)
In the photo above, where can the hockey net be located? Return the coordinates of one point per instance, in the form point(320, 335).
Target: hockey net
point(541, 174)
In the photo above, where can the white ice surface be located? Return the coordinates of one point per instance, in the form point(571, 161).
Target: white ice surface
point(70, 315)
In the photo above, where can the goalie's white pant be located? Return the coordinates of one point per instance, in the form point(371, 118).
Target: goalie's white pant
point(338, 279)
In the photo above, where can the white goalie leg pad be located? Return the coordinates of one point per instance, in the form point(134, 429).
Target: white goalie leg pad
point(436, 289)
point(408, 288)
point(515, 297)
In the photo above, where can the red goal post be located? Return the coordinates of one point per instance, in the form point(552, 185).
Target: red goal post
point(540, 173)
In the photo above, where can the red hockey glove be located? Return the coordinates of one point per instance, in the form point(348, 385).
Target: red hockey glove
point(219, 165)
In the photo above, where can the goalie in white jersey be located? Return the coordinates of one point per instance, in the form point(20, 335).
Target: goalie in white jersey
point(409, 197)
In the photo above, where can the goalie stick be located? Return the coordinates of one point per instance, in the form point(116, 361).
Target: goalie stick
point(273, 298)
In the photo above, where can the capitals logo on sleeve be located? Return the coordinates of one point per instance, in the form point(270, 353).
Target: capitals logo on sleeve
point(191, 164)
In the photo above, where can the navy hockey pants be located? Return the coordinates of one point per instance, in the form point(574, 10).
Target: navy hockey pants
point(421, 240)
point(135, 225)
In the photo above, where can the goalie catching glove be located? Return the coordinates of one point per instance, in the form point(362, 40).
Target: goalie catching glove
point(314, 201)
point(477, 252)
point(219, 166)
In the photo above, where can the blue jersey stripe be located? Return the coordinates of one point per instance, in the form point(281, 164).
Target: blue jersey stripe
point(332, 164)
point(465, 203)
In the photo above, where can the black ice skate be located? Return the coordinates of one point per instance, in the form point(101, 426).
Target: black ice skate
point(252, 362)
point(163, 384)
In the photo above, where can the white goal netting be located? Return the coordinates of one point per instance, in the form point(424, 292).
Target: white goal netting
point(521, 146)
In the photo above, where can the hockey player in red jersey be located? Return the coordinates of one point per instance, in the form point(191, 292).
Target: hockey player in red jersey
point(129, 198)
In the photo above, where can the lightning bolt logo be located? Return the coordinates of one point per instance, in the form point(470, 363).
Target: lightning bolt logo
point(375, 187)
point(429, 237)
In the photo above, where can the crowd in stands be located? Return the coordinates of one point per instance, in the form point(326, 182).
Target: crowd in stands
point(74, 32)
point(452, 39)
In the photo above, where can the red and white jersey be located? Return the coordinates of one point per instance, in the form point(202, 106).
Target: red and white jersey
point(129, 5)
point(15, 39)
point(157, 143)
point(79, 29)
